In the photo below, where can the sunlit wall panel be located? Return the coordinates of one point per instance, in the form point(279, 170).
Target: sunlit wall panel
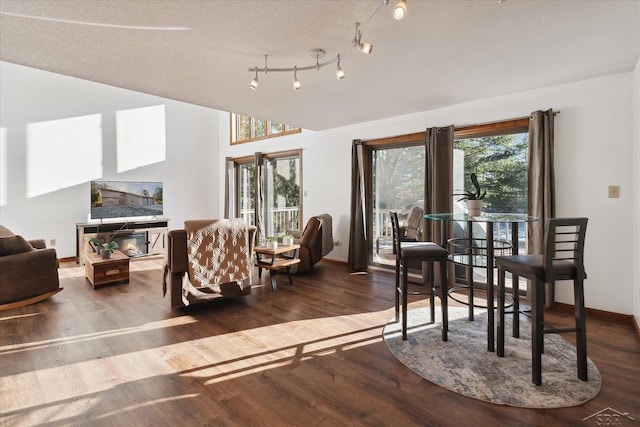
point(63, 153)
point(141, 139)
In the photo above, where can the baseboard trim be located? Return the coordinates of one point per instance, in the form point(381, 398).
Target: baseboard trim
point(334, 261)
point(622, 319)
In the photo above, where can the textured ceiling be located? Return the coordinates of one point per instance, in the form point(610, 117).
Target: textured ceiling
point(442, 53)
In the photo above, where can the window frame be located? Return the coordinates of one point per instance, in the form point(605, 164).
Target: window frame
point(234, 125)
point(502, 127)
point(237, 161)
point(505, 127)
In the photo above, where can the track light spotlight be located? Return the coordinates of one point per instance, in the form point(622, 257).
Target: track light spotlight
point(400, 10)
point(364, 47)
point(254, 83)
point(340, 71)
point(296, 83)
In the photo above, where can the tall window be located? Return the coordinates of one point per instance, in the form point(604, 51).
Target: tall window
point(245, 181)
point(500, 162)
point(281, 191)
point(282, 194)
point(247, 128)
point(499, 159)
point(397, 185)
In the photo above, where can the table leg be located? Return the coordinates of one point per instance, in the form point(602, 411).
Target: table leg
point(289, 275)
point(470, 269)
point(490, 289)
point(515, 282)
point(272, 276)
point(444, 296)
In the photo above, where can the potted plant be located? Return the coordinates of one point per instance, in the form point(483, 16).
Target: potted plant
point(473, 198)
point(287, 239)
point(272, 242)
point(104, 249)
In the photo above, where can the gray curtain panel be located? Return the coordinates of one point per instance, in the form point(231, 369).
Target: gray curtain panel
point(358, 258)
point(229, 189)
point(542, 201)
point(258, 202)
point(438, 185)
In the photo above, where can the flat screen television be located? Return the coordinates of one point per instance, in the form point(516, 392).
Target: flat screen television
point(125, 199)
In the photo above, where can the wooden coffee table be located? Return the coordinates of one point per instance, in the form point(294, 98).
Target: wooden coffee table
point(275, 260)
point(102, 272)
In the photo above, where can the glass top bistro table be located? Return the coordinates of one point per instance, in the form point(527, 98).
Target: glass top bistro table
point(490, 219)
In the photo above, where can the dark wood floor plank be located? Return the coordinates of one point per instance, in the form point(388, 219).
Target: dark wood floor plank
point(309, 354)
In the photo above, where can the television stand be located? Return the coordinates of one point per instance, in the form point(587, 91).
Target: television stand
point(149, 236)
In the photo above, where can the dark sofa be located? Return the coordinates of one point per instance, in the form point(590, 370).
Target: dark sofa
point(28, 270)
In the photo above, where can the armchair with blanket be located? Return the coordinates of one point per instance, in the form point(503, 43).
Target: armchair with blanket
point(315, 241)
point(208, 260)
point(28, 270)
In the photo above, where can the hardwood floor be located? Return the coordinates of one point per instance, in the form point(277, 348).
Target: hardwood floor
point(308, 354)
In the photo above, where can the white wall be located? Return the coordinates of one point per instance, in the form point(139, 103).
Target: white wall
point(29, 96)
point(636, 191)
point(593, 151)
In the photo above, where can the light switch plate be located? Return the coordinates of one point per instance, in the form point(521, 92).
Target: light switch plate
point(614, 191)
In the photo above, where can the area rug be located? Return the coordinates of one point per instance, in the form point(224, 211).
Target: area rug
point(463, 364)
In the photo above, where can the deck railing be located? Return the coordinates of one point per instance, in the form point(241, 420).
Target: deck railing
point(281, 219)
point(382, 232)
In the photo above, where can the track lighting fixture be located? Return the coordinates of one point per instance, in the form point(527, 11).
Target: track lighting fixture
point(365, 48)
point(254, 83)
point(339, 71)
point(296, 83)
point(399, 12)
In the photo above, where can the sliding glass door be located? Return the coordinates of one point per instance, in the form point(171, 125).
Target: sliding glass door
point(398, 175)
point(282, 195)
point(245, 182)
point(281, 190)
point(500, 162)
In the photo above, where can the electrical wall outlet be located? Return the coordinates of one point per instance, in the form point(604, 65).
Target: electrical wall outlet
point(614, 191)
point(52, 242)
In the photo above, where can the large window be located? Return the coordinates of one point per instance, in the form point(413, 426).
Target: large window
point(496, 152)
point(281, 188)
point(500, 162)
point(499, 159)
point(245, 189)
point(247, 128)
point(398, 185)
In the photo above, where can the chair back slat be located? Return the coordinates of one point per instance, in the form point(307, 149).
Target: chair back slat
point(564, 242)
point(395, 226)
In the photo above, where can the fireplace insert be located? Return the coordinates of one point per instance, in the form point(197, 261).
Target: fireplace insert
point(133, 244)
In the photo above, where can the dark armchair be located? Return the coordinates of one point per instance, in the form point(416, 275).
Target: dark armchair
point(28, 270)
point(316, 241)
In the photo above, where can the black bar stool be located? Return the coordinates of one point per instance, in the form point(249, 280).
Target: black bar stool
point(419, 252)
point(563, 259)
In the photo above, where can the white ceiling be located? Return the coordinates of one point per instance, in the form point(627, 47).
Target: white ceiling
point(442, 53)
